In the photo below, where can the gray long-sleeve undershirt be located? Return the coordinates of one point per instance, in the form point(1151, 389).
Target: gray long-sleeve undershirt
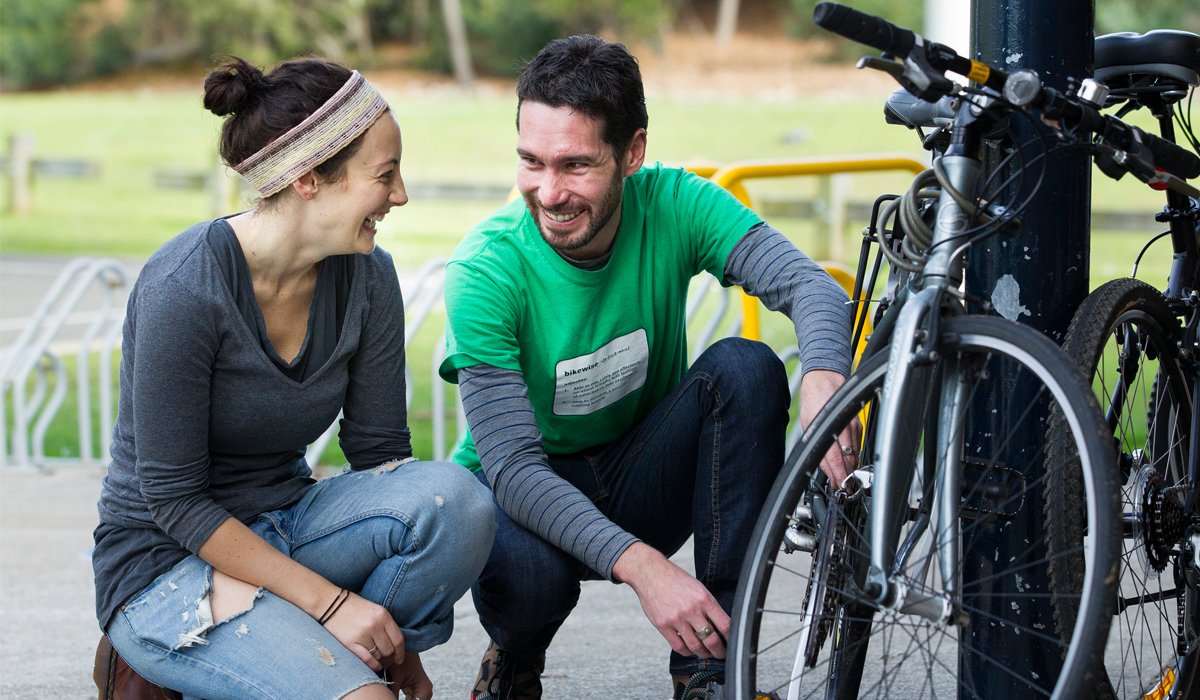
point(502, 422)
point(210, 428)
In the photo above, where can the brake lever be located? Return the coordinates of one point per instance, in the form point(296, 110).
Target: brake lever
point(1115, 162)
point(914, 74)
point(892, 68)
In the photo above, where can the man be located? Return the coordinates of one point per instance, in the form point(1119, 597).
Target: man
point(605, 451)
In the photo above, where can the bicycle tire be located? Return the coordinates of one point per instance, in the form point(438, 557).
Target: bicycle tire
point(1152, 650)
point(866, 656)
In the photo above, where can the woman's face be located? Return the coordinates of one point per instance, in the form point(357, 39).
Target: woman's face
point(354, 205)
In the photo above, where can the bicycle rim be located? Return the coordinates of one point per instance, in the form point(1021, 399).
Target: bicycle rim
point(1125, 336)
point(872, 652)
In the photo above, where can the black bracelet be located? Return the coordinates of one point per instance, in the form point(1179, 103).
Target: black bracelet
point(336, 607)
point(333, 607)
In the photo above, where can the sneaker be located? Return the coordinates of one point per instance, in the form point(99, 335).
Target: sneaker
point(701, 685)
point(505, 676)
point(707, 685)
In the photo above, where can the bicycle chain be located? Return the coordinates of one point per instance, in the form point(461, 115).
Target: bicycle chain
point(827, 560)
point(1181, 612)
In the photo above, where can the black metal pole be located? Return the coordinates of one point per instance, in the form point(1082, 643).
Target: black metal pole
point(1038, 277)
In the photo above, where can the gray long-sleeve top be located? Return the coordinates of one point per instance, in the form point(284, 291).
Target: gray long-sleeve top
point(502, 421)
point(209, 428)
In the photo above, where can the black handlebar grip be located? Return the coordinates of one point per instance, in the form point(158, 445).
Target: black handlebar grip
point(863, 28)
point(1171, 157)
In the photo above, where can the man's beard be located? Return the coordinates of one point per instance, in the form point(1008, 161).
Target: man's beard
point(597, 218)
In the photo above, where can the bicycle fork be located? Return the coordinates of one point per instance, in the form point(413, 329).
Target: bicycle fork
point(916, 375)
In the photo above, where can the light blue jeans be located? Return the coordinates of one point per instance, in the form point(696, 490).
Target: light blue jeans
point(412, 539)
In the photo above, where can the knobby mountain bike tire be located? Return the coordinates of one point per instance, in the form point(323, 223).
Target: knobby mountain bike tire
point(1126, 339)
point(802, 625)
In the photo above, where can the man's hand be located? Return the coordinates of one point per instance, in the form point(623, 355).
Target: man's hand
point(842, 457)
point(679, 606)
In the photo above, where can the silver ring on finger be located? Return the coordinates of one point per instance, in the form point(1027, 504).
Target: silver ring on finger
point(703, 632)
point(374, 650)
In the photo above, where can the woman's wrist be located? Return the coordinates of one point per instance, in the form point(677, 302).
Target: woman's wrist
point(334, 605)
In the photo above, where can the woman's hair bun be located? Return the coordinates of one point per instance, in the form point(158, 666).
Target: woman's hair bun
point(233, 86)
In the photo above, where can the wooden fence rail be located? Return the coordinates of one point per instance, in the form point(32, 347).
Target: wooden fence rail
point(23, 169)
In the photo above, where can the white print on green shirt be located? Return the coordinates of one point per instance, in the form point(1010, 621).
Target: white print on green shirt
point(588, 383)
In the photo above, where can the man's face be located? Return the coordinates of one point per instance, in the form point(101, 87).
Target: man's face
point(571, 179)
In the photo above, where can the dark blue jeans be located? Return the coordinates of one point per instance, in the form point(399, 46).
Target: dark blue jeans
point(700, 464)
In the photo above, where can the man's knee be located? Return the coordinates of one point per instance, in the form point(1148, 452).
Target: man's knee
point(527, 577)
point(747, 365)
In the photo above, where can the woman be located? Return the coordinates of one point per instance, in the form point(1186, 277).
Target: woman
point(223, 570)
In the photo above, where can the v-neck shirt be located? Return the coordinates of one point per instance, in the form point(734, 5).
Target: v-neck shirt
point(325, 312)
point(210, 427)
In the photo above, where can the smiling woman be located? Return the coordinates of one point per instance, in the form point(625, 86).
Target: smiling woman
point(244, 338)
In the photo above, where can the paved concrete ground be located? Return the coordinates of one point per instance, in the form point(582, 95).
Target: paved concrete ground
point(48, 630)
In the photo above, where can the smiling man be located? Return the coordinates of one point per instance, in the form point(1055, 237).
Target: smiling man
point(566, 334)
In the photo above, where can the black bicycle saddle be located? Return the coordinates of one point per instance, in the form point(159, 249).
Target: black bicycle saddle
point(1167, 53)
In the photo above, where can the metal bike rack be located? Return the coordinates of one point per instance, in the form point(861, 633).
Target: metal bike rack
point(424, 294)
point(34, 357)
point(733, 178)
point(36, 376)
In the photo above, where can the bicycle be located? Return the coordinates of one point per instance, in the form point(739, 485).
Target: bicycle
point(843, 588)
point(1139, 344)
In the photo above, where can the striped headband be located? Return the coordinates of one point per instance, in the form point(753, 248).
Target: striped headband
point(343, 118)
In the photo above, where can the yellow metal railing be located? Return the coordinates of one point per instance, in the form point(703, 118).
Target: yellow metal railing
point(732, 177)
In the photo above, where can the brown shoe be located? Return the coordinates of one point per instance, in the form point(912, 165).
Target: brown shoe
point(505, 676)
point(116, 680)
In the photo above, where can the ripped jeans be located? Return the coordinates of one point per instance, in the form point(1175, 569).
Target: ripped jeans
point(412, 539)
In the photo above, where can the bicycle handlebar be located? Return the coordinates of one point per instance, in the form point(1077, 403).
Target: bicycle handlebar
point(863, 28)
point(1144, 153)
point(1172, 157)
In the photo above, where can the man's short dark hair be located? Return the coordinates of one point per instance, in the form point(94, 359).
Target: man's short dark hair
point(593, 77)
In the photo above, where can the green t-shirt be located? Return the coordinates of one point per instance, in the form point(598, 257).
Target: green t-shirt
point(598, 349)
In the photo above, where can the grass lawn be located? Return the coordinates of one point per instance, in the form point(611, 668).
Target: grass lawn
point(448, 138)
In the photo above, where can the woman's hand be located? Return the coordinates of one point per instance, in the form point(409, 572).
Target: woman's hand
point(369, 631)
point(409, 677)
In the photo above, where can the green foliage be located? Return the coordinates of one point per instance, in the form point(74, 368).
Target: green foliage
point(263, 31)
point(111, 51)
point(38, 42)
point(504, 34)
point(905, 14)
point(799, 23)
point(1146, 15)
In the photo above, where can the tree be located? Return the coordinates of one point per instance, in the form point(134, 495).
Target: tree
point(456, 36)
point(37, 42)
point(727, 13)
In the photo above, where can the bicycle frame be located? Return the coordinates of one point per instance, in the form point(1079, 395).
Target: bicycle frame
point(948, 443)
point(913, 371)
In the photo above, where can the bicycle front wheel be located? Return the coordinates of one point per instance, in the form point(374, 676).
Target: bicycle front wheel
point(803, 625)
point(1127, 339)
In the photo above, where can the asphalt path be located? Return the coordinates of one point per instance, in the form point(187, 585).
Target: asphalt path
point(48, 632)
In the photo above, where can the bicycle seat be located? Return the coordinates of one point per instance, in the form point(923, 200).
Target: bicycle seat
point(1167, 53)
